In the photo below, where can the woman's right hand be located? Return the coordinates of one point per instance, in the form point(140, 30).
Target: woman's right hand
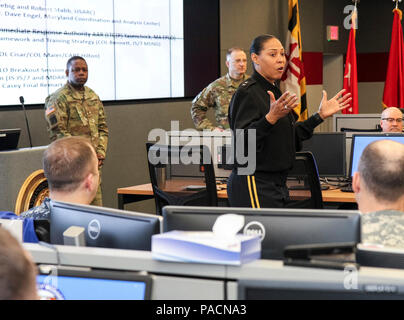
point(281, 107)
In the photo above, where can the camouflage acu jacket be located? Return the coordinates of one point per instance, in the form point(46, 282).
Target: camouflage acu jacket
point(216, 95)
point(70, 112)
point(39, 212)
point(384, 228)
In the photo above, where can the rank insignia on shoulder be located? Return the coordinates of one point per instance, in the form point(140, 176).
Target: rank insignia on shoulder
point(247, 83)
point(50, 110)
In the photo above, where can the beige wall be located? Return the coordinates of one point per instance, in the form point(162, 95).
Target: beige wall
point(370, 96)
point(241, 21)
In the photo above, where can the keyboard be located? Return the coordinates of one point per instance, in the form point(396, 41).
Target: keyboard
point(303, 187)
point(221, 180)
point(347, 188)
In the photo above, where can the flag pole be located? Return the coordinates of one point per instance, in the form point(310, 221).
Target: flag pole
point(397, 1)
point(358, 1)
point(350, 81)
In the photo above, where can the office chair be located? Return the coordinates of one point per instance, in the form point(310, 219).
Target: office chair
point(181, 175)
point(304, 183)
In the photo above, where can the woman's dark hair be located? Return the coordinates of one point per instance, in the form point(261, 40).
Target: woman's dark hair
point(258, 43)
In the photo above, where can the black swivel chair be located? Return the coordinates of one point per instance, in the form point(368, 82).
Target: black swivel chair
point(181, 175)
point(304, 183)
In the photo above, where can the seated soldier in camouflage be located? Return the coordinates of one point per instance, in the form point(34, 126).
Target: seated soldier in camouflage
point(379, 191)
point(218, 94)
point(70, 165)
point(76, 110)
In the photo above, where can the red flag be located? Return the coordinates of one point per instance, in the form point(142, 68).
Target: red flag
point(350, 73)
point(393, 95)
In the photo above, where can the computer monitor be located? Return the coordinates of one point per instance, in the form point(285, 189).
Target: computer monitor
point(64, 283)
point(104, 227)
point(308, 285)
point(379, 256)
point(9, 139)
point(278, 228)
point(329, 150)
point(360, 141)
point(214, 140)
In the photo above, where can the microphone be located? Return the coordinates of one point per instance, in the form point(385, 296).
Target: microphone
point(26, 120)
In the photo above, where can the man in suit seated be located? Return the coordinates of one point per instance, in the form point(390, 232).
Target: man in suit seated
point(379, 189)
point(392, 120)
point(71, 167)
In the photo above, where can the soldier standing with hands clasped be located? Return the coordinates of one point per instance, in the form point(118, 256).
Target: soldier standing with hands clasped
point(218, 94)
point(76, 110)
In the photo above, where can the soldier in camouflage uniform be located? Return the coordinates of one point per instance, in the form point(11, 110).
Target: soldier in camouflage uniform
point(379, 191)
point(218, 94)
point(384, 227)
point(76, 110)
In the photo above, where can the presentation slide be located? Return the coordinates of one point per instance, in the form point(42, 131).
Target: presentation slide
point(134, 48)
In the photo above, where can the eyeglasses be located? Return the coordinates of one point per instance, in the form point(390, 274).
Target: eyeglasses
point(391, 120)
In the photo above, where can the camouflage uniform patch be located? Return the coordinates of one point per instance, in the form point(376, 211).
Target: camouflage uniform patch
point(383, 228)
point(216, 95)
point(70, 112)
point(39, 212)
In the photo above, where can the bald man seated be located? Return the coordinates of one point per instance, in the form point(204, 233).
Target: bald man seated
point(379, 190)
point(392, 120)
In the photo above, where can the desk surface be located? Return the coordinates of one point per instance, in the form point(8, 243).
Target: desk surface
point(330, 195)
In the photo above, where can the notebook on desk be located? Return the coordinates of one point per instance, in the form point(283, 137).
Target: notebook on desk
point(359, 143)
point(9, 139)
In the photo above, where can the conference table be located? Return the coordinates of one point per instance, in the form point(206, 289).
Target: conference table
point(142, 192)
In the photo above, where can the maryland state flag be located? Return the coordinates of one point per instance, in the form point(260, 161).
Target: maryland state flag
point(350, 73)
point(293, 78)
point(393, 95)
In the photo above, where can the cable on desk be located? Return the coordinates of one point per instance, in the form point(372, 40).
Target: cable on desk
point(53, 247)
point(337, 184)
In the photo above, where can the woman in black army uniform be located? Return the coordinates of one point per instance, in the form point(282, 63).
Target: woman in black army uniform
point(258, 104)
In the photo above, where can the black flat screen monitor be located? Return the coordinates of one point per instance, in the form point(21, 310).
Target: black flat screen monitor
point(360, 141)
point(329, 150)
point(278, 227)
point(9, 139)
point(104, 227)
point(376, 287)
point(63, 283)
point(380, 256)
